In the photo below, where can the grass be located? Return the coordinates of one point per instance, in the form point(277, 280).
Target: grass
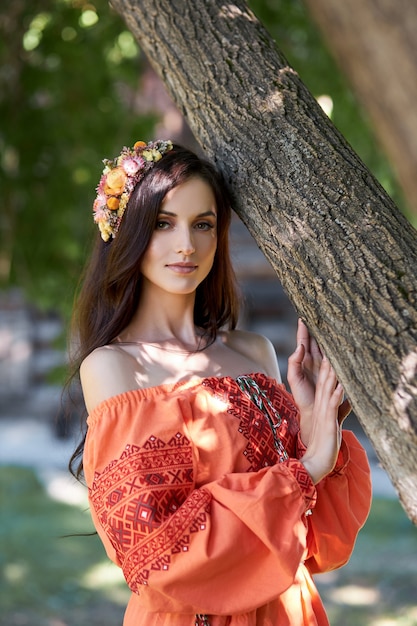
point(378, 587)
point(47, 579)
point(50, 580)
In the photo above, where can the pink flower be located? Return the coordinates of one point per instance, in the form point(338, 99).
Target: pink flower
point(132, 164)
point(100, 201)
point(100, 215)
point(100, 187)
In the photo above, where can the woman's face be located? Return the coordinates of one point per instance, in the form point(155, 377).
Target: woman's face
point(181, 251)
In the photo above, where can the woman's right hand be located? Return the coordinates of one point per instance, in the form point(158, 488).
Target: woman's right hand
point(325, 429)
point(318, 396)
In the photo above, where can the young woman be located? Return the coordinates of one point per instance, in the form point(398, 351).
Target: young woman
point(217, 492)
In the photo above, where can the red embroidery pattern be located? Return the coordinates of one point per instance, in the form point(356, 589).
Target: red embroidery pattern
point(135, 495)
point(304, 480)
point(253, 425)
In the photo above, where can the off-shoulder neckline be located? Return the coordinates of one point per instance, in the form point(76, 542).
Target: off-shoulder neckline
point(156, 390)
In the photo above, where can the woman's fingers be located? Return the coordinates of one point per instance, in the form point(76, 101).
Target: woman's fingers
point(303, 336)
point(326, 375)
point(313, 354)
point(319, 396)
point(323, 441)
point(336, 393)
point(295, 365)
point(329, 392)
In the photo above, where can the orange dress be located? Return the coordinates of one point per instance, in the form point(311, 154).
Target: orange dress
point(197, 493)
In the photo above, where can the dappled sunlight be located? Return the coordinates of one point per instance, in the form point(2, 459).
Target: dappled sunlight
point(15, 573)
point(404, 392)
point(326, 103)
point(384, 621)
point(408, 617)
point(355, 595)
point(219, 403)
point(377, 587)
point(272, 101)
point(33, 35)
point(232, 12)
point(88, 17)
point(62, 487)
point(102, 575)
point(381, 602)
point(107, 577)
point(207, 439)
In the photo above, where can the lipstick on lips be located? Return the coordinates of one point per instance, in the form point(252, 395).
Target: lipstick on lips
point(182, 268)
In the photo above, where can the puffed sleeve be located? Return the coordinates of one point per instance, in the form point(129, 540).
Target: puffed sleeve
point(343, 498)
point(226, 547)
point(342, 507)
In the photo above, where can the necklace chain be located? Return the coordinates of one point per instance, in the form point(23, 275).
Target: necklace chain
point(264, 404)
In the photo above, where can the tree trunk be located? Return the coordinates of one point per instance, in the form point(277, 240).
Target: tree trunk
point(375, 44)
point(343, 252)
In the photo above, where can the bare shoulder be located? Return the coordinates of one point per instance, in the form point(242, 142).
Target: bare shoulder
point(255, 347)
point(107, 372)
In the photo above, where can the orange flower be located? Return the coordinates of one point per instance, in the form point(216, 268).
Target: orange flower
point(113, 203)
point(139, 144)
point(115, 182)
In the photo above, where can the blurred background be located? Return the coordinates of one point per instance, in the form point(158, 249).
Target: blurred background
point(74, 88)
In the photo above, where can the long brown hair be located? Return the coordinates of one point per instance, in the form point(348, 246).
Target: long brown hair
point(111, 286)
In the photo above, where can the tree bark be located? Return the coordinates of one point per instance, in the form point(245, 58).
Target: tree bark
point(375, 44)
point(343, 252)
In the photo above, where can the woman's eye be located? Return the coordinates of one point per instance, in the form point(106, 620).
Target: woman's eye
point(162, 224)
point(204, 226)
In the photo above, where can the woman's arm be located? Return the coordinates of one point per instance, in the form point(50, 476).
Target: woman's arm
point(335, 460)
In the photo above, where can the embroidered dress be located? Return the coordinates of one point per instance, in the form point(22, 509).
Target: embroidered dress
point(198, 494)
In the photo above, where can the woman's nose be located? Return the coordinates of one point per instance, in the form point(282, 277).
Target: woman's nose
point(185, 243)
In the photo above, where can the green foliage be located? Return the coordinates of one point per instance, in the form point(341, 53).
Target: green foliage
point(68, 76)
point(289, 23)
point(69, 73)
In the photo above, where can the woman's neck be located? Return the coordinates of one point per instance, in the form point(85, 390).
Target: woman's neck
point(164, 318)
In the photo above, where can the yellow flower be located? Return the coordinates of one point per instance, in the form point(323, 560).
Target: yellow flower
point(147, 155)
point(123, 201)
point(115, 182)
point(105, 231)
point(113, 203)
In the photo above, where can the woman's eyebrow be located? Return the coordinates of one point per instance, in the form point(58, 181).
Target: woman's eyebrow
point(204, 214)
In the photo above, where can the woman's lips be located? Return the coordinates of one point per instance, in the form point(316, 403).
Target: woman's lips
point(182, 268)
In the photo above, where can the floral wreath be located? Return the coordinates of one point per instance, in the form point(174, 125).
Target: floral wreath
point(120, 177)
